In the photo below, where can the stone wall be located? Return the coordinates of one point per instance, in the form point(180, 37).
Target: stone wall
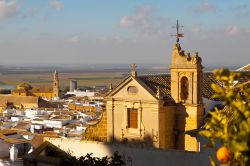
point(98, 131)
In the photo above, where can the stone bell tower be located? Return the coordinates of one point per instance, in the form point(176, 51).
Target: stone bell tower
point(186, 90)
point(55, 85)
point(186, 77)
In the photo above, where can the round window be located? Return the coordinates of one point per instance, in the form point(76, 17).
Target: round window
point(132, 90)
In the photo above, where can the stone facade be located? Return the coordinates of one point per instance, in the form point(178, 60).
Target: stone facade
point(98, 132)
point(164, 107)
point(56, 85)
point(25, 89)
point(186, 90)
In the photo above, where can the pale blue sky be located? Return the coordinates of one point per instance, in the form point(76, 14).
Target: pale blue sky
point(122, 31)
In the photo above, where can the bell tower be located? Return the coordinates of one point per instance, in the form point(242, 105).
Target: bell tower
point(55, 85)
point(186, 77)
point(186, 90)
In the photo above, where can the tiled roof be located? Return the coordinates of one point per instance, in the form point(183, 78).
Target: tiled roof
point(245, 76)
point(22, 125)
point(2, 136)
point(7, 132)
point(37, 155)
point(15, 140)
point(163, 81)
point(208, 80)
point(38, 139)
point(49, 104)
point(244, 68)
point(154, 81)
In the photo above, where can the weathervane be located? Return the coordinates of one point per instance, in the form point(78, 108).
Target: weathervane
point(178, 34)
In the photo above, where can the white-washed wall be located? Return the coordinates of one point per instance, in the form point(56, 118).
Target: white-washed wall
point(136, 156)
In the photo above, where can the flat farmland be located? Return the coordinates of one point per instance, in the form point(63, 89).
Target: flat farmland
point(45, 79)
point(85, 76)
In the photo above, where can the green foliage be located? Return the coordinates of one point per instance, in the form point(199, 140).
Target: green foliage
point(64, 90)
point(5, 91)
point(231, 125)
point(88, 160)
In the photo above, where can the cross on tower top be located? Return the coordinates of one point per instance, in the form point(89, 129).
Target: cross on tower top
point(133, 67)
point(133, 70)
point(178, 34)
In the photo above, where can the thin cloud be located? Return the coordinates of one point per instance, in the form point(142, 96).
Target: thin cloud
point(139, 18)
point(74, 39)
point(203, 8)
point(8, 8)
point(144, 22)
point(56, 4)
point(232, 30)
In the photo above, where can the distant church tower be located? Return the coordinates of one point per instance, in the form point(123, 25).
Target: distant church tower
point(186, 90)
point(56, 86)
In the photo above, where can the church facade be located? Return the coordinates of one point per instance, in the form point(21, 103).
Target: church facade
point(159, 109)
point(156, 110)
point(52, 92)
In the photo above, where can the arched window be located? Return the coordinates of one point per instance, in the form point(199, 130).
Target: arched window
point(184, 88)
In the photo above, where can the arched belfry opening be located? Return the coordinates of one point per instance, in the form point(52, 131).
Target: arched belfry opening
point(184, 88)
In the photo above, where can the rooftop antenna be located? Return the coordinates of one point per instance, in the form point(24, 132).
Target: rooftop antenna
point(178, 34)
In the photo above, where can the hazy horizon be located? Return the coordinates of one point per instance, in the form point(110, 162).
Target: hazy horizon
point(96, 67)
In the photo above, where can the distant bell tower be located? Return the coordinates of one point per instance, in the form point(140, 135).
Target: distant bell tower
point(186, 90)
point(56, 85)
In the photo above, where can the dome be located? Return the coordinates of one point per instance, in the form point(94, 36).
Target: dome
point(24, 86)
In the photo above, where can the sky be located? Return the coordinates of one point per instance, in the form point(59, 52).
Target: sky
point(59, 32)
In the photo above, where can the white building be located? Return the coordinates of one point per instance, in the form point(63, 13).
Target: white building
point(55, 123)
point(79, 93)
point(34, 113)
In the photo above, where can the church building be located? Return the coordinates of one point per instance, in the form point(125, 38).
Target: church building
point(156, 110)
point(160, 110)
point(49, 93)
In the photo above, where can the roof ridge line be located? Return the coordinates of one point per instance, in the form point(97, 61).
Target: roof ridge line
point(154, 74)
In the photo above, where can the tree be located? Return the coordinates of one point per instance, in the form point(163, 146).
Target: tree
point(87, 160)
point(5, 91)
point(230, 125)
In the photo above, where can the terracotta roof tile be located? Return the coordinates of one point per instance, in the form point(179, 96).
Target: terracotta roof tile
point(15, 140)
point(7, 132)
point(155, 81)
point(22, 125)
point(163, 81)
point(244, 68)
point(38, 139)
